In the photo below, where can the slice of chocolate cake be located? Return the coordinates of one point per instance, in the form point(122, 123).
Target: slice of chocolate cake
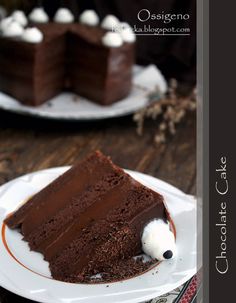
point(90, 221)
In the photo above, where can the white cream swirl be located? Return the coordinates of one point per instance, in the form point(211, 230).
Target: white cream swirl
point(89, 17)
point(32, 35)
point(64, 15)
point(127, 33)
point(38, 15)
point(110, 22)
point(111, 39)
point(20, 17)
point(5, 23)
point(13, 29)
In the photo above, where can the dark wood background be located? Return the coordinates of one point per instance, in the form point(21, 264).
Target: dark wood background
point(28, 145)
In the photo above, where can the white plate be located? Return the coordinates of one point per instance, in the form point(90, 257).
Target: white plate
point(29, 276)
point(68, 106)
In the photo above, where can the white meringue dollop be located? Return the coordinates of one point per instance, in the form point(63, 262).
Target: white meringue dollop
point(64, 15)
point(127, 33)
point(111, 39)
point(14, 29)
point(38, 15)
point(20, 17)
point(158, 240)
point(110, 22)
point(32, 35)
point(89, 17)
point(5, 23)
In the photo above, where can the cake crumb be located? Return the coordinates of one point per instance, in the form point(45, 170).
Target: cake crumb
point(118, 271)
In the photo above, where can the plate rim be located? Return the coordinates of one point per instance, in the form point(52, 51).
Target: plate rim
point(29, 111)
point(71, 118)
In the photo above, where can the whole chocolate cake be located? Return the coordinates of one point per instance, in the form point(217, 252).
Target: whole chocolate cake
point(94, 220)
point(88, 58)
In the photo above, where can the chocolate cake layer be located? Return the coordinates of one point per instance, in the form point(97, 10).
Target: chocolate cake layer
point(92, 215)
point(88, 219)
point(91, 199)
point(59, 185)
point(119, 238)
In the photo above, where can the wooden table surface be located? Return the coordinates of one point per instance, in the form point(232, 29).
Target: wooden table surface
point(28, 145)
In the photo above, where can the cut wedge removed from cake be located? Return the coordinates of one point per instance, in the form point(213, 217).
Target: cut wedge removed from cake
point(92, 221)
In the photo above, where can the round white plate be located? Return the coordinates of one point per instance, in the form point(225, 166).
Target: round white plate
point(68, 106)
point(26, 273)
